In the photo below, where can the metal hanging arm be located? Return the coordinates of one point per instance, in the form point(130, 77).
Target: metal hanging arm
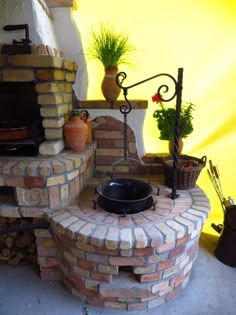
point(126, 109)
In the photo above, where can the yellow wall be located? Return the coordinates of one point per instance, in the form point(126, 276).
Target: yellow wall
point(198, 35)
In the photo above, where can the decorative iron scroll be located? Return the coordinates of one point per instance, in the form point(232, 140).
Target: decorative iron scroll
point(161, 90)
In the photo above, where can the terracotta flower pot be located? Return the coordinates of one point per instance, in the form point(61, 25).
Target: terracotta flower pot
point(76, 134)
point(110, 89)
point(84, 115)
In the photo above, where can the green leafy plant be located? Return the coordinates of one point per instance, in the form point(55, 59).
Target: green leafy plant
point(110, 46)
point(165, 117)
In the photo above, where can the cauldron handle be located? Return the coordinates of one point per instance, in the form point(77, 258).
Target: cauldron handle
point(135, 160)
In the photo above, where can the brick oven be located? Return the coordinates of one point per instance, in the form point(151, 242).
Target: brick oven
point(120, 262)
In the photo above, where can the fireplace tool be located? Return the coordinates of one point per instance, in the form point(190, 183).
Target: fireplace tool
point(125, 196)
point(225, 249)
point(17, 47)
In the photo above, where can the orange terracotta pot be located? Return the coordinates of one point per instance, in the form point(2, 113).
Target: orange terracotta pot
point(84, 115)
point(110, 89)
point(90, 132)
point(76, 134)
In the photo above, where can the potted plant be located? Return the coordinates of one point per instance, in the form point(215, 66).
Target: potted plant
point(165, 117)
point(112, 48)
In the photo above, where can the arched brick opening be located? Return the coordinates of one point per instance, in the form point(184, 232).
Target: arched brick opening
point(108, 132)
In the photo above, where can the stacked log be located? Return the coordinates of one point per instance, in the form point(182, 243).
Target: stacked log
point(17, 246)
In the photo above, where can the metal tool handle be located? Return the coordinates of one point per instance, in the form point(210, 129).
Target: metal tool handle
point(15, 27)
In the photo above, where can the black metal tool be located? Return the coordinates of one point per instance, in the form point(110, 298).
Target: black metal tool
point(17, 47)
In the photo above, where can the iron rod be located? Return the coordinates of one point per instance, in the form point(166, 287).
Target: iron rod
point(121, 76)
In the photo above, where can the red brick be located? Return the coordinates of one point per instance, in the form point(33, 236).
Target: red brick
point(85, 247)
point(52, 261)
point(54, 197)
point(74, 281)
point(15, 182)
point(91, 285)
point(34, 181)
point(143, 251)
point(72, 190)
point(110, 219)
point(42, 233)
point(150, 277)
point(103, 160)
point(48, 267)
point(177, 251)
point(165, 264)
point(182, 240)
point(115, 306)
point(87, 292)
point(165, 247)
point(176, 280)
point(139, 219)
point(47, 251)
point(87, 265)
point(137, 306)
point(91, 300)
point(66, 242)
point(149, 298)
point(105, 298)
point(127, 300)
point(123, 261)
point(173, 293)
point(192, 250)
point(109, 252)
point(50, 275)
point(48, 243)
point(124, 221)
point(77, 293)
point(101, 277)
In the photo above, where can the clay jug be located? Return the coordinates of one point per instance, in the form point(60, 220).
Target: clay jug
point(84, 115)
point(76, 133)
point(171, 146)
point(110, 89)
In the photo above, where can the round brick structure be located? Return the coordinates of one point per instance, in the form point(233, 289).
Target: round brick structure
point(134, 262)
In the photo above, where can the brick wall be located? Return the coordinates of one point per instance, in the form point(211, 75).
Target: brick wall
point(109, 135)
point(53, 77)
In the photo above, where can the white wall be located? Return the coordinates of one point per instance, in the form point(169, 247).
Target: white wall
point(69, 40)
point(63, 34)
point(41, 29)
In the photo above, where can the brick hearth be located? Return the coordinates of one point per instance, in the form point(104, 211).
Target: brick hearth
point(158, 246)
point(41, 184)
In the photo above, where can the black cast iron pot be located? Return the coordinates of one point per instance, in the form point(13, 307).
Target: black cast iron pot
point(125, 196)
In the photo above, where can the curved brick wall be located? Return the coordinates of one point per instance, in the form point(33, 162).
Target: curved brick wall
point(159, 247)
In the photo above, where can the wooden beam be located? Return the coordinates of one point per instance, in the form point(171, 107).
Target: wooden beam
point(60, 3)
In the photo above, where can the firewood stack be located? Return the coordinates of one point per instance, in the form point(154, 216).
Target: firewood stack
point(17, 246)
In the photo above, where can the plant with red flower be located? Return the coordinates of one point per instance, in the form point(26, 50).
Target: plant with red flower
point(157, 98)
point(165, 117)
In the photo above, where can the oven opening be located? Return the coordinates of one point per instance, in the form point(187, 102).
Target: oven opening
point(21, 129)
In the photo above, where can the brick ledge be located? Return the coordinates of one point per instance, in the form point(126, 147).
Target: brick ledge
point(102, 104)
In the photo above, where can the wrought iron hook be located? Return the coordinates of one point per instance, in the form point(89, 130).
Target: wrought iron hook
point(126, 109)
